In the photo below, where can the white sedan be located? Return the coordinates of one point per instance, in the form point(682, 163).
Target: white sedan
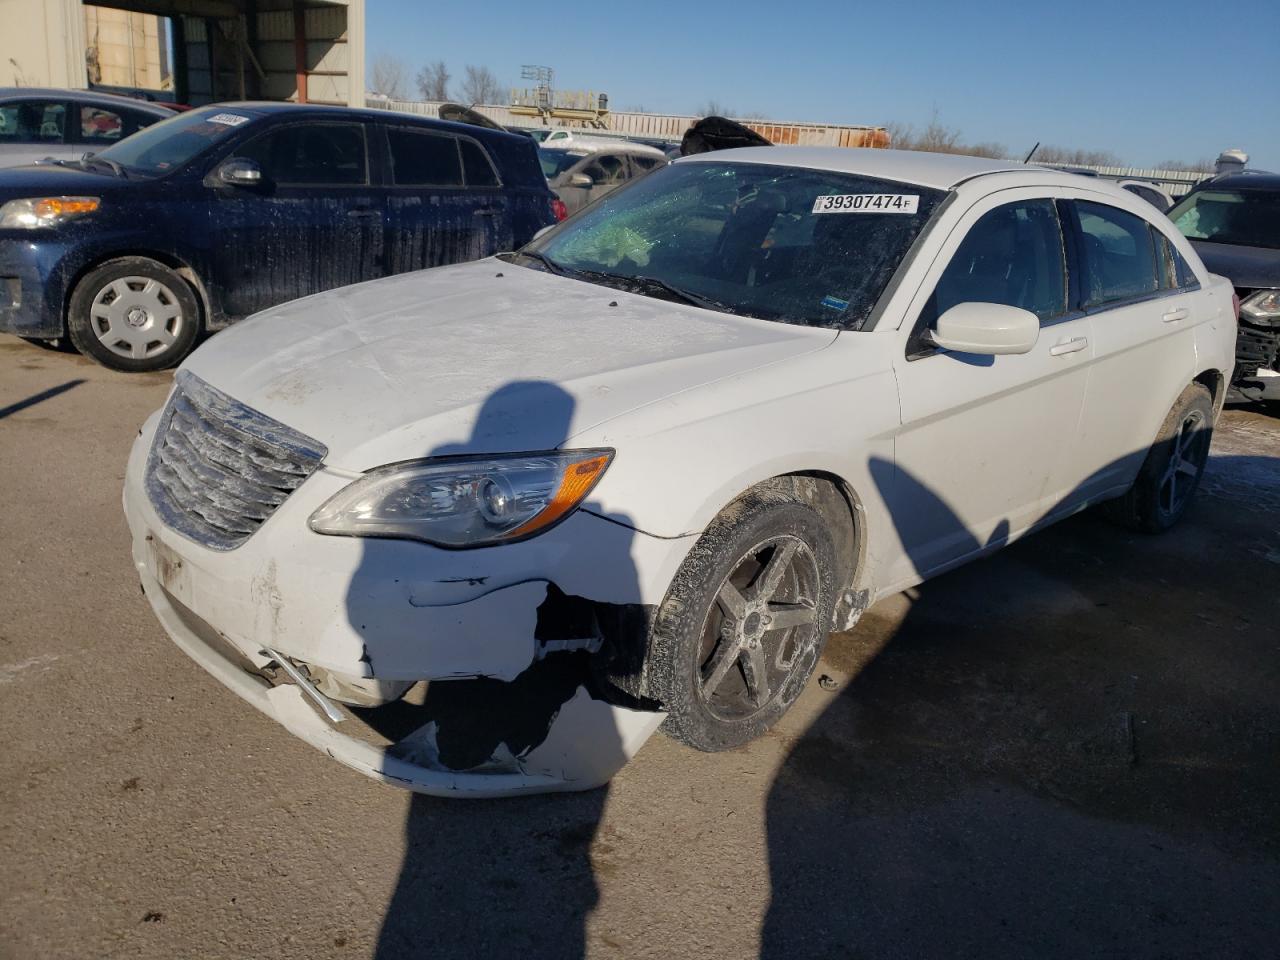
point(481, 529)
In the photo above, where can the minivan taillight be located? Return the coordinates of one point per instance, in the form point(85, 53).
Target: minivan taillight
point(561, 212)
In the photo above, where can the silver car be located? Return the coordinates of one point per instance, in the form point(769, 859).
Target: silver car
point(588, 170)
point(64, 124)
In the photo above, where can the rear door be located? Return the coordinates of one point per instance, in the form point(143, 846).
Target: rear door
point(445, 202)
point(314, 223)
point(1144, 342)
point(32, 129)
point(984, 440)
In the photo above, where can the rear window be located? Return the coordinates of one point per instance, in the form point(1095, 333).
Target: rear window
point(556, 162)
point(1250, 218)
point(174, 142)
point(477, 168)
point(32, 121)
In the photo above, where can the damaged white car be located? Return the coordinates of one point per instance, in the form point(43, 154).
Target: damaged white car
point(481, 529)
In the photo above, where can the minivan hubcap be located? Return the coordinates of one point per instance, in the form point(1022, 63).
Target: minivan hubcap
point(765, 614)
point(136, 317)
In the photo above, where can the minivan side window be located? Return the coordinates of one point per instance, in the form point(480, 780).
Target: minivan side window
point(477, 168)
point(331, 154)
point(1119, 255)
point(1013, 255)
point(98, 124)
point(423, 159)
point(32, 121)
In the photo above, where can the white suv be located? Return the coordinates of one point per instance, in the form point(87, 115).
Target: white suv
point(638, 471)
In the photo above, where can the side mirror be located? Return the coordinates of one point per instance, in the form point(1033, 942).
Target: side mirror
point(238, 172)
point(581, 180)
point(543, 230)
point(987, 328)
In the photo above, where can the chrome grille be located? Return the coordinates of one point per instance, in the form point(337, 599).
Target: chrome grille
point(217, 469)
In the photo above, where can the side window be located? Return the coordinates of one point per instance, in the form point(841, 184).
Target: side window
point(423, 159)
point(607, 170)
point(1119, 255)
point(32, 121)
point(1013, 255)
point(99, 125)
point(332, 154)
point(645, 164)
point(476, 165)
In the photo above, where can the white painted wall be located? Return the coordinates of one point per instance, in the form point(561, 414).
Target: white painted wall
point(42, 43)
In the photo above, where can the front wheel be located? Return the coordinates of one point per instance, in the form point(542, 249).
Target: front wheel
point(133, 314)
point(744, 622)
point(1173, 467)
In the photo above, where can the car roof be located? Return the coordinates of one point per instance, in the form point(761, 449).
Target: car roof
point(938, 170)
point(85, 96)
point(595, 145)
point(1243, 180)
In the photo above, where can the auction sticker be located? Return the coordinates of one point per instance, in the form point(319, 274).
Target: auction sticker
point(867, 203)
point(228, 119)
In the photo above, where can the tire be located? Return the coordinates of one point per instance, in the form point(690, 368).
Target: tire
point(1165, 487)
point(133, 314)
point(710, 624)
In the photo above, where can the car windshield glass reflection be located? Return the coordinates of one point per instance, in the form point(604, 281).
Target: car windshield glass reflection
point(172, 143)
point(800, 246)
point(1247, 217)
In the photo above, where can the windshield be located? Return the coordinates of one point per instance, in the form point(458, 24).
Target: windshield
point(1247, 217)
point(556, 162)
point(800, 246)
point(172, 143)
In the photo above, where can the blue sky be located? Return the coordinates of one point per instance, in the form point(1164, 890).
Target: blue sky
point(1148, 81)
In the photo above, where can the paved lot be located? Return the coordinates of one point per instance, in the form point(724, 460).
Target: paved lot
point(1069, 750)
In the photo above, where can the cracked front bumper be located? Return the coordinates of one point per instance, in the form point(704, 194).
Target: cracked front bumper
point(392, 610)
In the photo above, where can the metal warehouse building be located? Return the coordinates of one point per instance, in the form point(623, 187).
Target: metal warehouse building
point(189, 51)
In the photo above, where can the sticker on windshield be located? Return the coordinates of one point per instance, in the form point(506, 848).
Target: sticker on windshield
point(867, 203)
point(228, 119)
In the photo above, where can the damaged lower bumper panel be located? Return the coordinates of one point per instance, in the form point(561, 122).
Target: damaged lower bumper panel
point(587, 742)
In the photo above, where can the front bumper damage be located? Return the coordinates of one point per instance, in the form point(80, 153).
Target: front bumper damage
point(505, 638)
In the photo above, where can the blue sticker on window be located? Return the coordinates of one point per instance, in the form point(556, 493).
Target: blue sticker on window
point(835, 303)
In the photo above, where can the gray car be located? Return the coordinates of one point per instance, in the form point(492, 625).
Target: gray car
point(588, 170)
point(63, 124)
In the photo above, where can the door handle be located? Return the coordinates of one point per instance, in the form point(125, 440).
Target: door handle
point(1180, 314)
point(1074, 345)
point(364, 212)
point(487, 212)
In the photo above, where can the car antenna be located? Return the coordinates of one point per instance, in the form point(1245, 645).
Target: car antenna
point(1032, 153)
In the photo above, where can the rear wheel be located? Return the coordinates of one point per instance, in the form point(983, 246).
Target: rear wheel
point(744, 622)
point(1171, 472)
point(133, 314)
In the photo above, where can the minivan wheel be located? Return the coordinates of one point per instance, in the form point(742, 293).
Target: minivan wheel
point(1171, 472)
point(133, 314)
point(744, 621)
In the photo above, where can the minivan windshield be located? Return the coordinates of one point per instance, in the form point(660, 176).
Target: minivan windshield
point(172, 143)
point(1247, 217)
point(802, 246)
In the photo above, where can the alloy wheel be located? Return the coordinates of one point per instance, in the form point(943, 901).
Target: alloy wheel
point(1188, 451)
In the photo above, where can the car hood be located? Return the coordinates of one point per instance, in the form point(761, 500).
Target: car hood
point(1246, 267)
point(483, 357)
point(48, 179)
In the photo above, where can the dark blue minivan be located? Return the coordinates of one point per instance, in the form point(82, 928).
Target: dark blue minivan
point(220, 212)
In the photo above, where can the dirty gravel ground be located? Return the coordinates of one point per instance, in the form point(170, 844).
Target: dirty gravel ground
point(1067, 750)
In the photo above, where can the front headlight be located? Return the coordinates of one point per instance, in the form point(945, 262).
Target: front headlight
point(34, 212)
point(464, 503)
point(1263, 306)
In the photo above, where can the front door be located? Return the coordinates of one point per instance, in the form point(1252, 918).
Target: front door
point(984, 440)
point(313, 224)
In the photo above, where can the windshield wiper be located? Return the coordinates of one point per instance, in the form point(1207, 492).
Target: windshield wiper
point(542, 258)
point(685, 296)
point(90, 159)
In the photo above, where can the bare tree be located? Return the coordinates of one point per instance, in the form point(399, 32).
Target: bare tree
point(937, 137)
point(389, 76)
point(1200, 166)
point(479, 85)
point(1065, 155)
point(433, 81)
